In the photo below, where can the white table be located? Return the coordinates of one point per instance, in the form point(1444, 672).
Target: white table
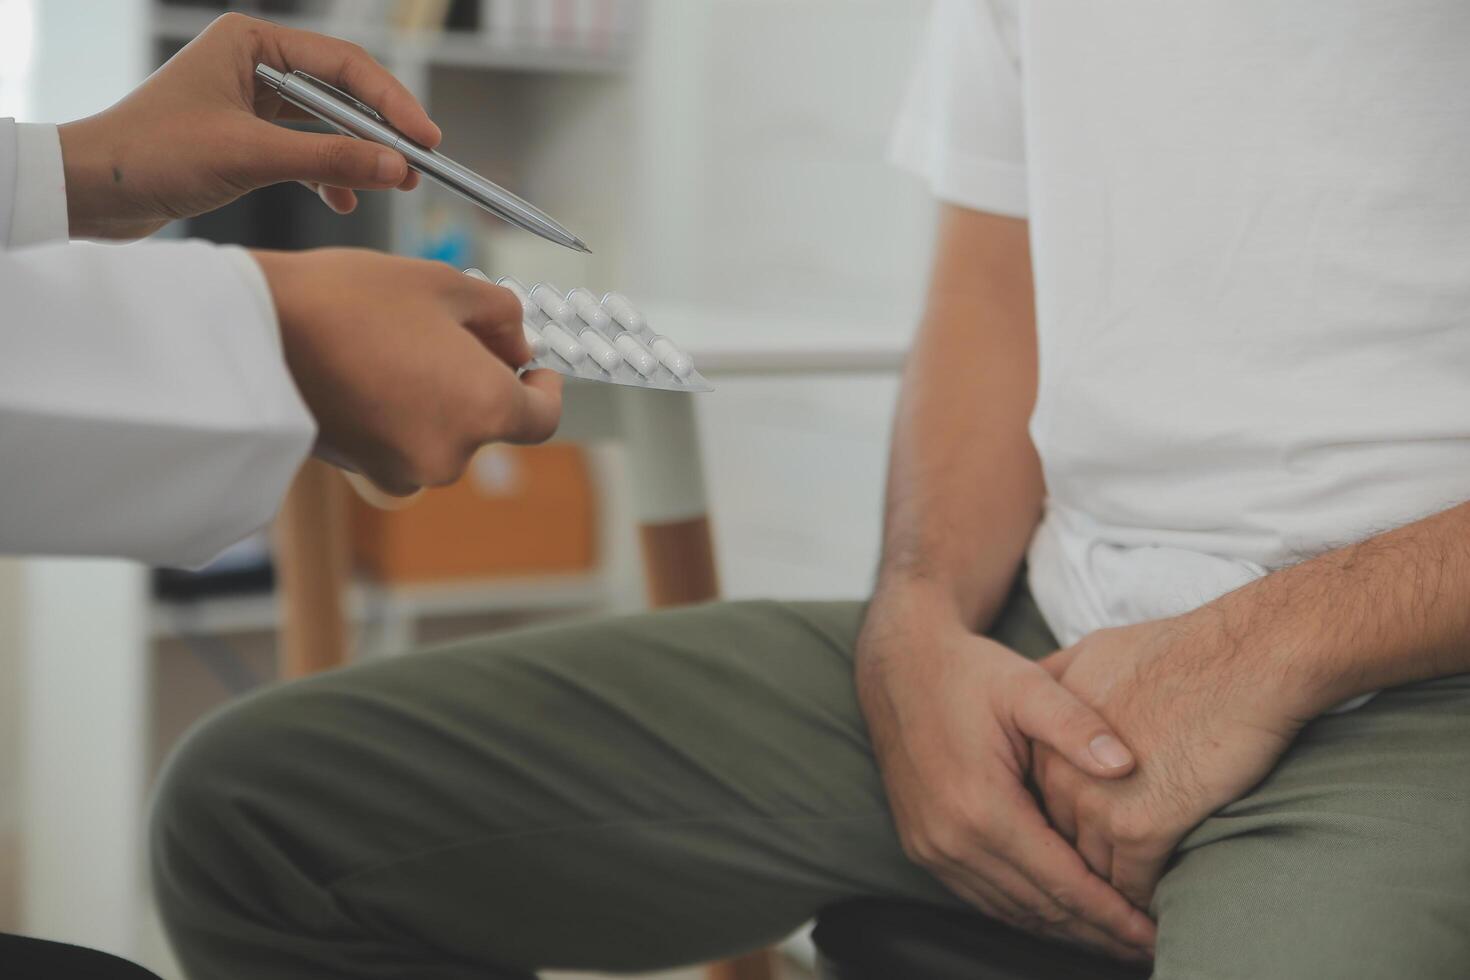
point(659, 427)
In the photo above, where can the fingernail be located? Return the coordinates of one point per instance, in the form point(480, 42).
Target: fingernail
point(390, 167)
point(1109, 752)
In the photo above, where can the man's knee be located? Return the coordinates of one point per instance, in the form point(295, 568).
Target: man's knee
point(1296, 900)
point(198, 796)
point(222, 826)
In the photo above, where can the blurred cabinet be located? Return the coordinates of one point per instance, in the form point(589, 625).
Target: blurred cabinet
point(519, 511)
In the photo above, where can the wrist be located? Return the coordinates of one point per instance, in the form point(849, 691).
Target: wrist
point(1269, 663)
point(281, 273)
point(913, 594)
point(907, 621)
point(92, 176)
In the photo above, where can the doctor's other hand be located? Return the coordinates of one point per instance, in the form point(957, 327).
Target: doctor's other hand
point(197, 134)
point(952, 717)
point(407, 365)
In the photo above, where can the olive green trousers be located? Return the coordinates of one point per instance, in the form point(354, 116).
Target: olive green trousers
point(674, 787)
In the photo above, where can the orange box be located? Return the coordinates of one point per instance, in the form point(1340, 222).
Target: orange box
point(518, 511)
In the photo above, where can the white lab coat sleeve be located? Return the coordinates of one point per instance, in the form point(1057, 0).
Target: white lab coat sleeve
point(145, 406)
point(146, 410)
point(38, 212)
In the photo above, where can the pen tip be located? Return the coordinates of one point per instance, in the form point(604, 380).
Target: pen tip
point(581, 246)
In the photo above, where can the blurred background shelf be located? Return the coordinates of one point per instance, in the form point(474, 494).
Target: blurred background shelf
point(456, 49)
point(368, 602)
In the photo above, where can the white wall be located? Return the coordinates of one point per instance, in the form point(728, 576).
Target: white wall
point(762, 186)
point(11, 664)
point(85, 757)
point(763, 178)
point(17, 37)
point(89, 54)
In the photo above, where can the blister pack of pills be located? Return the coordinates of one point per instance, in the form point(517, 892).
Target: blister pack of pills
point(608, 339)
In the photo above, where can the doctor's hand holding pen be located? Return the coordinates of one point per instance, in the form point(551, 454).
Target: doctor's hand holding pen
point(198, 133)
point(407, 366)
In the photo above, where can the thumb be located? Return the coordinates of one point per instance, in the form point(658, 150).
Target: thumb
point(1052, 715)
point(1056, 664)
point(340, 161)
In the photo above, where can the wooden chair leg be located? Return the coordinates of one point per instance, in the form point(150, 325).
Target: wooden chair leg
point(313, 565)
point(679, 562)
point(760, 965)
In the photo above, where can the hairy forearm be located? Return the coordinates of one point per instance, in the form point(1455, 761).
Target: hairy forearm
point(1389, 610)
point(964, 486)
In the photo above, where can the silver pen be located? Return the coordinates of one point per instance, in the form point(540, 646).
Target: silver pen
point(341, 111)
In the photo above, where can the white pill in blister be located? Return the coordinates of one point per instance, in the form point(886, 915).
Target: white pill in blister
point(588, 309)
point(562, 342)
point(635, 353)
point(611, 332)
point(549, 299)
point(532, 311)
point(537, 343)
point(506, 282)
point(622, 310)
point(602, 352)
point(674, 359)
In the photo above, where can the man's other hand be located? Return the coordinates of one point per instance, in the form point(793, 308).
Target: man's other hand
point(1202, 712)
point(953, 716)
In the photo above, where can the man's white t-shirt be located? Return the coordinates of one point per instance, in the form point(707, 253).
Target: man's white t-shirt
point(1250, 225)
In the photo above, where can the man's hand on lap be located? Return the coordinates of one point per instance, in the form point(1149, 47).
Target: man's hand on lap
point(1206, 715)
point(952, 717)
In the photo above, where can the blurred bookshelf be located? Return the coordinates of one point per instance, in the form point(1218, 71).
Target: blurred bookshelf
point(531, 93)
point(390, 612)
point(574, 48)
